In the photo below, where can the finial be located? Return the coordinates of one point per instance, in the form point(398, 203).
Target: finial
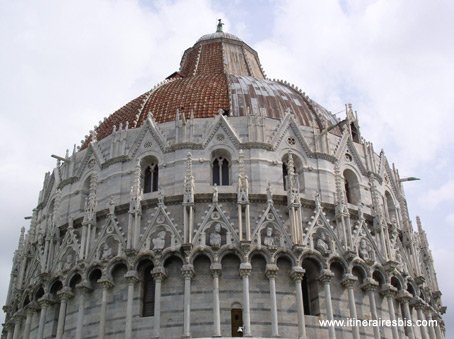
point(219, 27)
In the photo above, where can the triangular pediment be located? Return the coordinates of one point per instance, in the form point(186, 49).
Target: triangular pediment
point(222, 131)
point(110, 241)
point(289, 128)
point(149, 138)
point(270, 231)
point(93, 158)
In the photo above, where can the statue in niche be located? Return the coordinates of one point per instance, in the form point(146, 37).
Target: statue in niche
point(322, 244)
point(215, 194)
point(160, 241)
point(402, 264)
point(268, 240)
point(215, 236)
point(364, 250)
point(111, 206)
point(41, 242)
point(69, 261)
point(243, 188)
point(106, 251)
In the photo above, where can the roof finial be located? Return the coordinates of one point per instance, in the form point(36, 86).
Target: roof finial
point(219, 27)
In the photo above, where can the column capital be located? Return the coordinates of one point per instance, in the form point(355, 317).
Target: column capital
point(18, 316)
point(216, 269)
point(31, 308)
point(187, 271)
point(159, 273)
point(65, 294)
point(369, 285)
point(349, 280)
point(245, 269)
point(131, 277)
point(404, 296)
point(84, 286)
point(45, 301)
point(388, 290)
point(297, 273)
point(326, 276)
point(106, 283)
point(417, 303)
point(271, 271)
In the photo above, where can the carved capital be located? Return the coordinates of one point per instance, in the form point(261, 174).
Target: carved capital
point(388, 290)
point(216, 269)
point(65, 294)
point(326, 276)
point(159, 273)
point(297, 273)
point(84, 286)
point(245, 269)
point(187, 271)
point(404, 296)
point(131, 277)
point(271, 271)
point(349, 280)
point(369, 285)
point(45, 301)
point(106, 283)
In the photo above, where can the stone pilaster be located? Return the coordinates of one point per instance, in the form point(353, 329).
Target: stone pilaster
point(83, 289)
point(188, 272)
point(245, 271)
point(132, 279)
point(418, 304)
point(389, 292)
point(216, 270)
point(106, 285)
point(44, 302)
point(325, 279)
point(158, 275)
point(404, 297)
point(64, 295)
point(271, 273)
point(370, 286)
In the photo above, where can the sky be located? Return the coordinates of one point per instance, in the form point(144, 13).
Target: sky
point(65, 65)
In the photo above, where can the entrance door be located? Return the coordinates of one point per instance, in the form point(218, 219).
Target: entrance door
point(237, 322)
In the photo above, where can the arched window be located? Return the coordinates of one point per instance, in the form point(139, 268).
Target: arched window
point(148, 293)
point(309, 286)
point(352, 189)
point(150, 174)
point(220, 169)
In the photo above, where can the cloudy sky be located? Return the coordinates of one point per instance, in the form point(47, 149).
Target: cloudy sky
point(65, 65)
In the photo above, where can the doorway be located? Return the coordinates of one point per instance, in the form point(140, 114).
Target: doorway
point(237, 322)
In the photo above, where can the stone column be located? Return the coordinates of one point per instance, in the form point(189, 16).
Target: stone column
point(83, 288)
point(370, 286)
point(64, 295)
point(404, 297)
point(216, 270)
point(10, 329)
point(131, 278)
point(271, 272)
point(245, 270)
point(431, 329)
point(389, 292)
point(325, 279)
point(188, 272)
point(44, 302)
point(438, 332)
point(158, 275)
point(348, 282)
point(418, 304)
point(31, 309)
point(106, 285)
point(297, 275)
point(18, 317)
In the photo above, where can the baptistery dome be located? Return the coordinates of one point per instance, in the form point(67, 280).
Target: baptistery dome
point(222, 204)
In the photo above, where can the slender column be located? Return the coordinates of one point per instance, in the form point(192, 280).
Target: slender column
point(418, 304)
point(30, 311)
point(370, 286)
point(348, 282)
point(158, 275)
point(64, 295)
point(106, 285)
point(131, 278)
point(248, 224)
point(240, 222)
point(404, 297)
point(17, 322)
point(10, 328)
point(216, 270)
point(271, 273)
point(438, 333)
point(325, 279)
point(428, 313)
point(389, 292)
point(83, 288)
point(245, 270)
point(44, 302)
point(186, 224)
point(191, 222)
point(188, 273)
point(297, 275)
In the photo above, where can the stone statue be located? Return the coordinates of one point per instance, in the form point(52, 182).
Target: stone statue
point(364, 250)
point(68, 262)
point(269, 239)
point(322, 244)
point(106, 251)
point(215, 237)
point(160, 241)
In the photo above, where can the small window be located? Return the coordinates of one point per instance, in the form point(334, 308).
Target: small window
point(148, 294)
point(150, 178)
point(220, 171)
point(237, 322)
